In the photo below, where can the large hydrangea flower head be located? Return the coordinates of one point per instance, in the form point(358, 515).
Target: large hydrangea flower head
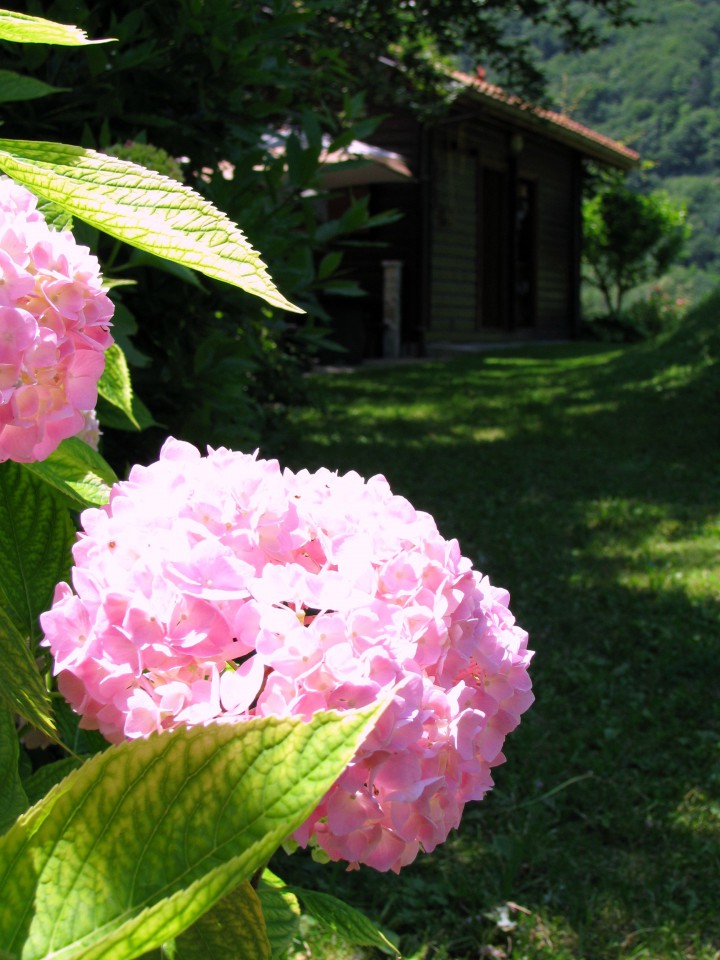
point(54, 330)
point(220, 587)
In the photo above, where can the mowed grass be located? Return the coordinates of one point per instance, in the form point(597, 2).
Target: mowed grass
point(586, 480)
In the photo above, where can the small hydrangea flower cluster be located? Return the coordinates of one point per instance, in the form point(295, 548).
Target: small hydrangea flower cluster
point(54, 329)
point(221, 587)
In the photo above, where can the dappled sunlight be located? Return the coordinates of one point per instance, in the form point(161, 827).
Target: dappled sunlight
point(570, 477)
point(485, 434)
point(697, 812)
point(656, 546)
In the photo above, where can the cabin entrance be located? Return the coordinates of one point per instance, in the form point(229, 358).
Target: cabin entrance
point(507, 249)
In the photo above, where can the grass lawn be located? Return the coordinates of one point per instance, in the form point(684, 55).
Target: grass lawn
point(586, 480)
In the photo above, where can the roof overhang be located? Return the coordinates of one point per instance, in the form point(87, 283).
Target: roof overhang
point(361, 164)
point(354, 165)
point(556, 126)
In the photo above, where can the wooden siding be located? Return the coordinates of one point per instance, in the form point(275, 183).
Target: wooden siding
point(453, 255)
point(552, 168)
point(472, 278)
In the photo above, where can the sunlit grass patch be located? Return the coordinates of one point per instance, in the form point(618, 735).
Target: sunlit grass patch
point(586, 480)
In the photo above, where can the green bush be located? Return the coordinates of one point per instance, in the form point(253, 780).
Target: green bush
point(647, 317)
point(629, 238)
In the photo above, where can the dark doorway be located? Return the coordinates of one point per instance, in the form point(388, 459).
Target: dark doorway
point(493, 250)
point(525, 253)
point(507, 250)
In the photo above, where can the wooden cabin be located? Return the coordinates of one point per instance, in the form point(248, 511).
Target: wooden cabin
point(488, 247)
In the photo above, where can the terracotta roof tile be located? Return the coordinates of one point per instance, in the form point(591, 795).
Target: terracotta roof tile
point(594, 143)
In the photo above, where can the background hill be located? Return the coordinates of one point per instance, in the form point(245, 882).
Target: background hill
point(656, 87)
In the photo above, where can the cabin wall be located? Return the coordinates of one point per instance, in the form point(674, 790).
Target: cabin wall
point(555, 171)
point(454, 259)
point(468, 272)
point(476, 258)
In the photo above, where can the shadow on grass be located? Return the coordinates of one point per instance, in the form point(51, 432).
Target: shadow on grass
point(587, 481)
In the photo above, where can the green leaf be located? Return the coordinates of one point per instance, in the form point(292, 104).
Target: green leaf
point(54, 216)
point(329, 264)
point(114, 385)
point(14, 87)
point(282, 913)
point(143, 839)
point(21, 685)
point(81, 742)
point(36, 534)
point(22, 28)
point(344, 288)
point(77, 471)
point(46, 776)
point(234, 929)
point(344, 920)
point(142, 208)
point(312, 130)
point(111, 416)
point(13, 799)
point(124, 328)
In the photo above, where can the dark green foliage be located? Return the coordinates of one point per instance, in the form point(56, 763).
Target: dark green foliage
point(657, 88)
point(422, 35)
point(702, 195)
point(242, 92)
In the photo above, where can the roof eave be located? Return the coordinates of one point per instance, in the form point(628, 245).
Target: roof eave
point(562, 129)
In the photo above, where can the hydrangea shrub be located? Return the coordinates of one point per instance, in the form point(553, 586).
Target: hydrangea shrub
point(54, 330)
point(221, 587)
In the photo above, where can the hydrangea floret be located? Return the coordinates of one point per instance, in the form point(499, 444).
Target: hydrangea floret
point(221, 587)
point(54, 330)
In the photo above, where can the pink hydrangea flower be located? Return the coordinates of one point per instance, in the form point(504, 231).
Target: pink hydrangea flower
point(54, 329)
point(90, 432)
point(220, 587)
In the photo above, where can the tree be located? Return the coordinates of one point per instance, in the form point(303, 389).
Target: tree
point(629, 238)
point(424, 36)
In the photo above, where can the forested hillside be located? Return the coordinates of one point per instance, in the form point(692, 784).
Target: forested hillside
point(657, 88)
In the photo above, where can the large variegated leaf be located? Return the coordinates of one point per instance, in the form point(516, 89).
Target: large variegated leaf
point(22, 28)
point(46, 776)
point(133, 847)
point(142, 208)
point(77, 471)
